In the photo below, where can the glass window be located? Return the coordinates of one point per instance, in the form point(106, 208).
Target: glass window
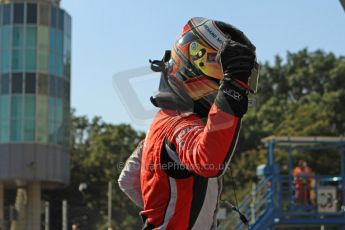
point(17, 107)
point(66, 91)
point(6, 37)
point(66, 110)
point(59, 87)
point(4, 132)
point(5, 61)
point(69, 47)
point(52, 62)
point(30, 83)
point(30, 107)
point(60, 134)
point(5, 84)
point(60, 66)
point(44, 15)
point(43, 60)
point(59, 42)
point(67, 57)
point(16, 130)
point(18, 13)
point(51, 109)
point(29, 130)
point(17, 59)
point(43, 84)
point(43, 37)
point(52, 132)
point(68, 26)
point(4, 118)
point(31, 13)
point(67, 71)
point(59, 110)
point(67, 136)
point(18, 36)
point(17, 83)
point(66, 23)
point(6, 16)
point(61, 20)
point(42, 119)
point(52, 86)
point(61, 121)
point(30, 60)
point(52, 39)
point(31, 36)
point(65, 45)
point(1, 14)
point(5, 108)
point(53, 17)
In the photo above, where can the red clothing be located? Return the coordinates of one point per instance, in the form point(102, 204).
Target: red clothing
point(302, 177)
point(181, 160)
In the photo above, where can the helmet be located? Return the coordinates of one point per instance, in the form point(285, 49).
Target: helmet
point(193, 70)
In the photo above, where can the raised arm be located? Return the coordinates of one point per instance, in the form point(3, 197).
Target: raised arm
point(207, 150)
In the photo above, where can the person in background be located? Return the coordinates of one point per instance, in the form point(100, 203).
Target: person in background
point(76, 227)
point(303, 183)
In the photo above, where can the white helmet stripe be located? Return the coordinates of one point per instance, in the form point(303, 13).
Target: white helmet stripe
point(209, 31)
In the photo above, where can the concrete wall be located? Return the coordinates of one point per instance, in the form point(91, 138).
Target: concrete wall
point(34, 162)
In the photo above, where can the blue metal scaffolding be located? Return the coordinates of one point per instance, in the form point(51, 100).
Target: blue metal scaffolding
point(272, 202)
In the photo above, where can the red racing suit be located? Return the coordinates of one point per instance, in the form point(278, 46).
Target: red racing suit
point(182, 162)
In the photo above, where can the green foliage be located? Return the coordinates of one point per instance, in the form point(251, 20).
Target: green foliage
point(98, 151)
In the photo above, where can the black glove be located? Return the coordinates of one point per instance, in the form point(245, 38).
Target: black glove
point(232, 99)
point(237, 60)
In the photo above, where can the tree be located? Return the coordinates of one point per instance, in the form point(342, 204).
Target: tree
point(97, 154)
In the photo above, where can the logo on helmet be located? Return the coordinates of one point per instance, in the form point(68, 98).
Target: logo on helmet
point(232, 93)
point(194, 46)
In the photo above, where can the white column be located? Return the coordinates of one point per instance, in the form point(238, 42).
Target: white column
point(2, 198)
point(46, 215)
point(64, 215)
point(34, 206)
point(110, 189)
point(20, 209)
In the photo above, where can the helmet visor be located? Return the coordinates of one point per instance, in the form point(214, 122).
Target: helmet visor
point(205, 59)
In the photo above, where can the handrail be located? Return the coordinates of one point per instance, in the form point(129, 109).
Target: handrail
point(253, 206)
point(280, 201)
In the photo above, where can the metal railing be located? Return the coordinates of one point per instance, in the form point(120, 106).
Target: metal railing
point(283, 198)
point(253, 206)
point(310, 196)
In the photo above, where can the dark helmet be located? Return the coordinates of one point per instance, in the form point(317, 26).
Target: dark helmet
point(192, 69)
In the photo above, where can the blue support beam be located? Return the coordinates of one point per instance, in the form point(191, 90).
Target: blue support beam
point(274, 206)
point(270, 159)
point(291, 179)
point(274, 211)
point(343, 177)
point(311, 221)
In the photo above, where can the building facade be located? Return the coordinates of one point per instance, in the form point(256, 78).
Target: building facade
point(35, 76)
point(35, 56)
